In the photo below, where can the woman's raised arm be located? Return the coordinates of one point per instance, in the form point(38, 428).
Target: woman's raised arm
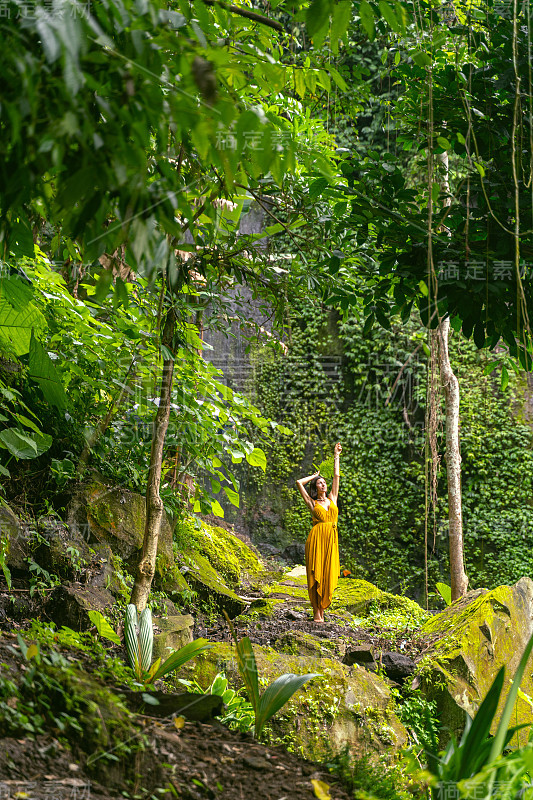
point(336, 473)
point(309, 502)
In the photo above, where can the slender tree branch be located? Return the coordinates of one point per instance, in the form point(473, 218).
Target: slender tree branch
point(244, 12)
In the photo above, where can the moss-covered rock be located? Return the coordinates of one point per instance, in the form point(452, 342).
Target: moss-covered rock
point(362, 598)
point(226, 553)
point(473, 638)
point(209, 584)
point(176, 632)
point(116, 516)
point(344, 707)
point(263, 607)
point(300, 643)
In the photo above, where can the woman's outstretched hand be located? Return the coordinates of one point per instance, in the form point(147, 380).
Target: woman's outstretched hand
point(338, 449)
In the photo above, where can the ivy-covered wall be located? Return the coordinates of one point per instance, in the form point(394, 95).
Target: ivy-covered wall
point(335, 384)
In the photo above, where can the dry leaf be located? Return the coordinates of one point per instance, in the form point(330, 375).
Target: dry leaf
point(179, 722)
point(346, 572)
point(321, 790)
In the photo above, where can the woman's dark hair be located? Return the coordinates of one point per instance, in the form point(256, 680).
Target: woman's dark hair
point(312, 491)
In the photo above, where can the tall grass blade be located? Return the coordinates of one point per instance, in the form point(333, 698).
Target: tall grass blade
point(248, 669)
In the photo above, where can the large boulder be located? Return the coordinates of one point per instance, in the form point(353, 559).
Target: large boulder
point(176, 632)
point(204, 579)
point(71, 602)
point(232, 558)
point(470, 641)
point(116, 516)
point(344, 707)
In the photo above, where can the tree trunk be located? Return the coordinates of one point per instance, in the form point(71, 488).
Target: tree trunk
point(154, 504)
point(450, 384)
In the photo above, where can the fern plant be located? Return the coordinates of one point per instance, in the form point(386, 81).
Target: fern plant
point(139, 638)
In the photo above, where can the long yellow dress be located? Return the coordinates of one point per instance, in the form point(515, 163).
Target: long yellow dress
point(322, 553)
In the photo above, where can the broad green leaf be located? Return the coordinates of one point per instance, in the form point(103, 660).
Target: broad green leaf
point(16, 326)
point(445, 592)
point(248, 670)
point(342, 15)
point(317, 187)
point(217, 509)
point(19, 444)
point(421, 58)
point(257, 458)
point(103, 627)
point(389, 16)
point(277, 694)
point(16, 291)
point(132, 640)
point(367, 18)
point(317, 17)
point(480, 169)
point(146, 638)
point(180, 657)
point(43, 371)
point(233, 497)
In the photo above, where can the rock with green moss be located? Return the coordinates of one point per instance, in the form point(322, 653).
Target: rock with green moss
point(176, 632)
point(472, 639)
point(204, 579)
point(117, 517)
point(301, 643)
point(227, 554)
point(361, 598)
point(262, 607)
point(346, 706)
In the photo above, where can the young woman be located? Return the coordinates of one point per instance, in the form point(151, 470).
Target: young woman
point(322, 546)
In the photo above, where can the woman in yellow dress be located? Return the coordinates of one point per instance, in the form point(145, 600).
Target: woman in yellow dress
point(322, 546)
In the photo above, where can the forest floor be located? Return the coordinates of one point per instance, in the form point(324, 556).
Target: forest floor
point(196, 761)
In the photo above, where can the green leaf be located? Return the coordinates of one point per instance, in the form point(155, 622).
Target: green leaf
point(421, 59)
point(389, 16)
point(180, 657)
point(233, 497)
point(317, 17)
point(132, 640)
point(217, 509)
point(445, 592)
point(43, 371)
point(444, 143)
point(480, 169)
point(19, 444)
point(367, 18)
point(257, 458)
point(248, 670)
point(342, 15)
point(103, 627)
point(505, 378)
point(277, 694)
point(16, 326)
point(146, 638)
point(317, 187)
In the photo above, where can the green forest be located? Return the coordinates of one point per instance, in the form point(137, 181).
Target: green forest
point(261, 263)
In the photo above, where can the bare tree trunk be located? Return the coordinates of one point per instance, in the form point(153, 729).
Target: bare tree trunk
point(458, 578)
point(154, 504)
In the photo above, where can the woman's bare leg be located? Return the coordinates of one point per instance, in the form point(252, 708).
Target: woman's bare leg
point(318, 613)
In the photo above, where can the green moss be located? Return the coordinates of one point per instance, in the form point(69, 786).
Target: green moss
point(209, 584)
point(341, 706)
point(472, 639)
point(226, 553)
point(363, 599)
point(264, 607)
